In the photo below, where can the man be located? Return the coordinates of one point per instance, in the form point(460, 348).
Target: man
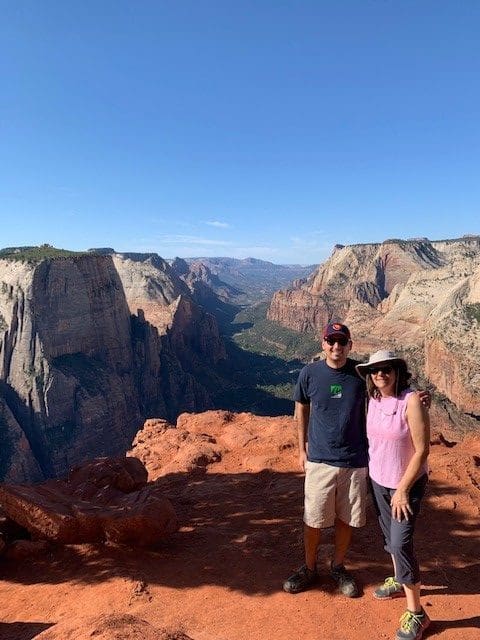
point(330, 411)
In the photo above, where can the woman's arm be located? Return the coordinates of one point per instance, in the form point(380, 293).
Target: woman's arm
point(419, 425)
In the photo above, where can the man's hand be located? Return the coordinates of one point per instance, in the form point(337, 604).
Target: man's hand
point(425, 398)
point(302, 459)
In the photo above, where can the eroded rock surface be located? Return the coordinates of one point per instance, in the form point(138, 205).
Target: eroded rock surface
point(66, 364)
point(418, 297)
point(89, 346)
point(215, 440)
point(104, 500)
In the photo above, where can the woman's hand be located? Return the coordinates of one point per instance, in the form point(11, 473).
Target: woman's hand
point(400, 505)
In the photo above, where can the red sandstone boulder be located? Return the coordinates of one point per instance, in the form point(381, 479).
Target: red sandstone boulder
point(216, 442)
point(104, 500)
point(21, 549)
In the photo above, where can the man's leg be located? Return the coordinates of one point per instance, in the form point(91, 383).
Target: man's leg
point(345, 581)
point(343, 536)
point(350, 512)
point(319, 512)
point(306, 576)
point(311, 540)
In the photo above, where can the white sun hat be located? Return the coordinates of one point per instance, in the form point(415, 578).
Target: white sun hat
point(379, 357)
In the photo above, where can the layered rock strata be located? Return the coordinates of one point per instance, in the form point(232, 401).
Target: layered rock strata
point(417, 296)
point(90, 345)
point(66, 360)
point(175, 340)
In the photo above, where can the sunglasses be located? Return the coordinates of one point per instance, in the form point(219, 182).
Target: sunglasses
point(342, 341)
point(387, 368)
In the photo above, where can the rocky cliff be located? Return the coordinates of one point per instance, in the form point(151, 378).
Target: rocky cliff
point(175, 340)
point(90, 345)
point(66, 361)
point(418, 296)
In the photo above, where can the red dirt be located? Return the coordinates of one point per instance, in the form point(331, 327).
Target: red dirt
point(220, 576)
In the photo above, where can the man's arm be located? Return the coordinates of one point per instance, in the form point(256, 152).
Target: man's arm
point(302, 415)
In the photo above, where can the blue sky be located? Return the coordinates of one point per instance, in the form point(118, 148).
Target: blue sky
point(267, 128)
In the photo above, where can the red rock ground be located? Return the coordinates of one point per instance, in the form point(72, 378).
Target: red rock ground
point(220, 576)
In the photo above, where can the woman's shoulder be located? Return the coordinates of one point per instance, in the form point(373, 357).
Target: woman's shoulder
point(411, 398)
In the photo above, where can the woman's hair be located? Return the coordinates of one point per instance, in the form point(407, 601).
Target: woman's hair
point(403, 376)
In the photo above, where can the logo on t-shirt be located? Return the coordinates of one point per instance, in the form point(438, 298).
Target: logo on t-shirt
point(335, 390)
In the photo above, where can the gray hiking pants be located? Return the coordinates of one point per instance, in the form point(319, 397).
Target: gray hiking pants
point(398, 536)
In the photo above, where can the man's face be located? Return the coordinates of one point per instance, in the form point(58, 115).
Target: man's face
point(337, 348)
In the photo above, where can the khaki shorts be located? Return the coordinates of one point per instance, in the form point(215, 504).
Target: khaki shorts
point(334, 492)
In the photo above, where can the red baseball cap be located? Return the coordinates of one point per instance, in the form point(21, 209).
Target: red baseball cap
point(336, 329)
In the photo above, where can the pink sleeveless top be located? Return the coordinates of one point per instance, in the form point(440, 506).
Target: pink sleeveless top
point(390, 445)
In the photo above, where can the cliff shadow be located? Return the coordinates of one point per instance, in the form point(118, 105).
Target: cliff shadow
point(244, 532)
point(31, 425)
point(22, 630)
point(243, 381)
point(259, 383)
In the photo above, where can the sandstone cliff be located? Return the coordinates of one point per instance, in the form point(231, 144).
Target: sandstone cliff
point(90, 345)
point(418, 296)
point(175, 341)
point(66, 362)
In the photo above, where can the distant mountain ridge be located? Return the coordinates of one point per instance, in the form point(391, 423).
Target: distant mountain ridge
point(255, 279)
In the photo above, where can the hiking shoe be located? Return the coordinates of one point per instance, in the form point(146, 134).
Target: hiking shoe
point(344, 580)
point(412, 625)
point(388, 590)
point(301, 580)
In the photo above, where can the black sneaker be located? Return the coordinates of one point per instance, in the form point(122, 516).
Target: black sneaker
point(345, 581)
point(301, 580)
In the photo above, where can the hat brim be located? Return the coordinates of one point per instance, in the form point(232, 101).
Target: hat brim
point(362, 369)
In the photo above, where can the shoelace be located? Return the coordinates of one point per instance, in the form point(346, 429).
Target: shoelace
point(410, 620)
point(390, 582)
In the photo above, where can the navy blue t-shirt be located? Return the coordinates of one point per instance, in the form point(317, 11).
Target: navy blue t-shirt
point(336, 430)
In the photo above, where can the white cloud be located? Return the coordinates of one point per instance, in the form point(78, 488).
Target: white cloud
point(218, 224)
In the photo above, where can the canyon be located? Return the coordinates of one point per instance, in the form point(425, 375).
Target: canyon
point(187, 520)
point(92, 344)
point(418, 297)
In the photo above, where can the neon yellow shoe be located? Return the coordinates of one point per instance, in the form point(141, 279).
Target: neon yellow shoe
point(388, 590)
point(412, 625)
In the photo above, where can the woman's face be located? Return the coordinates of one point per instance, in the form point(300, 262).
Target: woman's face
point(384, 377)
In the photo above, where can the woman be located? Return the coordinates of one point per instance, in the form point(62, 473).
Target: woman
point(398, 434)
